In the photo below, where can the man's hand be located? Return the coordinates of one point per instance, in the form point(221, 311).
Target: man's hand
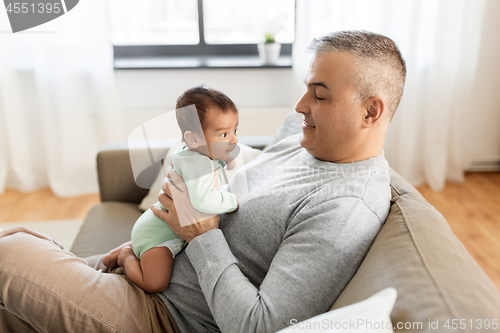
point(182, 217)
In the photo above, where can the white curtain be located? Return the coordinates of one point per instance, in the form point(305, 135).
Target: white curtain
point(58, 102)
point(440, 41)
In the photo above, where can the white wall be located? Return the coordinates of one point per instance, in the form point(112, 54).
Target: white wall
point(482, 124)
point(263, 96)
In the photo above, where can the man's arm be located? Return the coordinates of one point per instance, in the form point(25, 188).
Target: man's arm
point(320, 252)
point(317, 258)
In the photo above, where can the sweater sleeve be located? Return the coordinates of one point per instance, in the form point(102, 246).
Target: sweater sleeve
point(320, 252)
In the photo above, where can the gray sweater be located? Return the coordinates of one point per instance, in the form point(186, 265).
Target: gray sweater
point(301, 232)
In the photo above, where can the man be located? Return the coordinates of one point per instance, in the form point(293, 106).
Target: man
point(314, 205)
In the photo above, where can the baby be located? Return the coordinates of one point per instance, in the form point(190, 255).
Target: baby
point(201, 161)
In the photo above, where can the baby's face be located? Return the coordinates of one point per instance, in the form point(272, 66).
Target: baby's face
point(220, 134)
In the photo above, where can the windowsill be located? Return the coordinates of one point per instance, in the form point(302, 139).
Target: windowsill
point(199, 62)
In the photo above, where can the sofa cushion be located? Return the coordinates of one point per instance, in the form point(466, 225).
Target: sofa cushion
point(370, 315)
point(106, 226)
point(292, 124)
point(436, 278)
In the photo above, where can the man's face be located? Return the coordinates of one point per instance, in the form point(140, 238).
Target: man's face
point(332, 116)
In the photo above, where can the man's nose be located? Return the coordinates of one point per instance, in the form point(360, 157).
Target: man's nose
point(301, 106)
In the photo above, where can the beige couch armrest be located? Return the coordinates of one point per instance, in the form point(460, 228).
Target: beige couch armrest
point(115, 175)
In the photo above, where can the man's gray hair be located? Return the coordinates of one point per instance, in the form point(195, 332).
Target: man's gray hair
point(381, 68)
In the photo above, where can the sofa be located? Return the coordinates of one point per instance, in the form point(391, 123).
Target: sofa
point(415, 252)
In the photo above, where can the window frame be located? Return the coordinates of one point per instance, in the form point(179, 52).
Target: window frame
point(202, 49)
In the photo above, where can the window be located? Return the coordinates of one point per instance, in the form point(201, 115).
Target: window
point(154, 22)
point(246, 22)
point(198, 28)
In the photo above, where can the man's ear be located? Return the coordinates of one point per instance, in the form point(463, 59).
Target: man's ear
point(191, 139)
point(375, 108)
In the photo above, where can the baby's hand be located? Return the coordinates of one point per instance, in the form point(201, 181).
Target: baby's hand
point(231, 165)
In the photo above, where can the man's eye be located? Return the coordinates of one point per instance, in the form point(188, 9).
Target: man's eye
point(319, 98)
point(223, 135)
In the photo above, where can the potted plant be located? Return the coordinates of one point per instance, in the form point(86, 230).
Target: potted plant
point(269, 51)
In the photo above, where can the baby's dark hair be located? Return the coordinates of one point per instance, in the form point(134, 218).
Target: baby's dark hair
point(204, 98)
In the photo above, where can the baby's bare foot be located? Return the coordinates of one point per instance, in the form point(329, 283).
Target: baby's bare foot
point(111, 259)
point(124, 253)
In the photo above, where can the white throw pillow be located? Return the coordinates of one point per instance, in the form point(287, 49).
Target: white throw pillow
point(371, 315)
point(246, 155)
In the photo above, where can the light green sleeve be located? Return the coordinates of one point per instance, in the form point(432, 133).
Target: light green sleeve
point(198, 173)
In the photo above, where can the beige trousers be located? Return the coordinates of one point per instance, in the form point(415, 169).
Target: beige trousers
point(46, 289)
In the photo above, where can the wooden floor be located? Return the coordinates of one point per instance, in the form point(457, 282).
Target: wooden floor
point(43, 205)
point(472, 209)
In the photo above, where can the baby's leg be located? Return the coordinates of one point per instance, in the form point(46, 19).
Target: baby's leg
point(151, 273)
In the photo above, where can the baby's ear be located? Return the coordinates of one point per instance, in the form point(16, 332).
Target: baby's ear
point(191, 139)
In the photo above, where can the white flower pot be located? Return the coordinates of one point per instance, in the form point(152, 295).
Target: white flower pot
point(269, 53)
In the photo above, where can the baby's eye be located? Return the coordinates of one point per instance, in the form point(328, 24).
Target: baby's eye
point(235, 131)
point(223, 135)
